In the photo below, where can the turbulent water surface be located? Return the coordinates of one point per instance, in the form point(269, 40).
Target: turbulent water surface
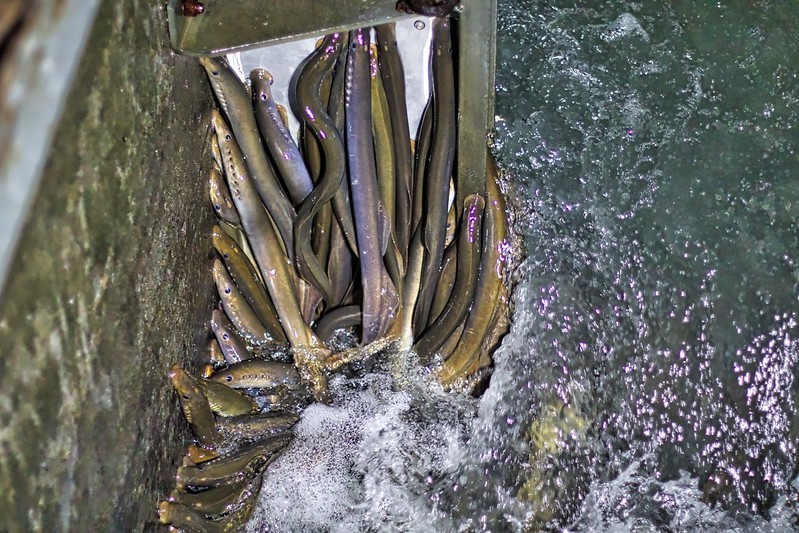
point(648, 380)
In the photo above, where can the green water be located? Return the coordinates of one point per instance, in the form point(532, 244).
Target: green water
point(653, 153)
point(648, 382)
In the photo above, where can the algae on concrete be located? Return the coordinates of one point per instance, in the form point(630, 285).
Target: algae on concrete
point(109, 286)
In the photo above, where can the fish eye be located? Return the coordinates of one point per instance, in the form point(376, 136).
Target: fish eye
point(225, 256)
point(228, 378)
point(218, 207)
point(225, 336)
point(263, 97)
point(215, 72)
point(185, 396)
point(228, 137)
point(227, 290)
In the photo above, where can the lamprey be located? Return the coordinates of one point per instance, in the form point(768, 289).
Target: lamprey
point(236, 104)
point(196, 409)
point(257, 373)
point(285, 153)
point(380, 300)
point(393, 81)
point(246, 278)
point(465, 280)
point(378, 262)
point(233, 347)
point(438, 168)
point(487, 321)
point(319, 122)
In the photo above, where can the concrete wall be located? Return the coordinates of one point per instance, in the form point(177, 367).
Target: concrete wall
point(109, 285)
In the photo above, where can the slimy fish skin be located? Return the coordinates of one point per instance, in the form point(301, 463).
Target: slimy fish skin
point(232, 345)
point(237, 309)
point(258, 373)
point(196, 408)
point(241, 464)
point(237, 106)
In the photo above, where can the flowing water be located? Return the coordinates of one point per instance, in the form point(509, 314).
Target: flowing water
point(648, 382)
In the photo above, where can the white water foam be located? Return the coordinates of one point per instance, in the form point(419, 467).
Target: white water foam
point(365, 463)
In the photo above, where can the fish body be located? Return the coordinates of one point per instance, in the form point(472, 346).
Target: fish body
point(457, 308)
point(244, 463)
point(314, 116)
point(196, 408)
point(214, 501)
point(487, 320)
point(380, 299)
point(439, 166)
point(285, 154)
point(221, 201)
point(236, 103)
point(233, 347)
point(225, 401)
point(258, 373)
point(273, 264)
point(249, 283)
point(393, 76)
point(249, 428)
point(237, 309)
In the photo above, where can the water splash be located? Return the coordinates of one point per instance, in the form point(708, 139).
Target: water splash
point(648, 380)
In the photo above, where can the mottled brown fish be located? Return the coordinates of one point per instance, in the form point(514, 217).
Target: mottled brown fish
point(258, 373)
point(196, 408)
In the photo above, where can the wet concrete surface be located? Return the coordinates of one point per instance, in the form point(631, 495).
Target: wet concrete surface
point(108, 287)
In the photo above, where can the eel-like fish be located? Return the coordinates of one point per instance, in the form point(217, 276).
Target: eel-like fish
point(383, 138)
point(439, 167)
point(315, 117)
point(220, 198)
point(446, 282)
point(285, 153)
point(236, 103)
point(258, 373)
point(195, 408)
point(236, 307)
point(342, 205)
point(339, 265)
point(386, 170)
point(190, 521)
point(393, 76)
point(422, 150)
point(469, 244)
point(226, 401)
point(215, 354)
point(212, 502)
point(312, 153)
point(380, 299)
point(241, 464)
point(272, 262)
point(198, 454)
point(233, 346)
point(341, 317)
point(487, 320)
point(249, 283)
point(249, 428)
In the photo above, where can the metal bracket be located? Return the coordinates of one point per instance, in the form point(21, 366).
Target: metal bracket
point(234, 25)
point(476, 64)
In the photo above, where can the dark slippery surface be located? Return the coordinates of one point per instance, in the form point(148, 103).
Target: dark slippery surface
point(110, 286)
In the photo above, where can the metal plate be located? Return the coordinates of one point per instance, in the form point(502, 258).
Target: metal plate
point(282, 60)
point(231, 25)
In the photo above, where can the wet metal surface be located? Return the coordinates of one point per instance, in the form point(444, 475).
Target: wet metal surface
point(230, 25)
